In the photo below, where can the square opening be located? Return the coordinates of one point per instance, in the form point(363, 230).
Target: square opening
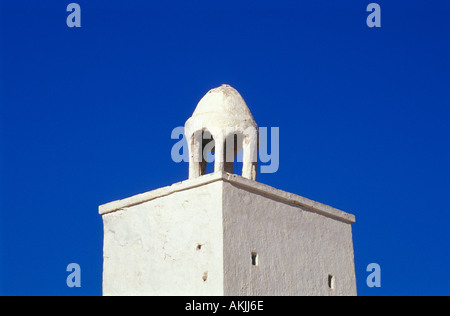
point(254, 259)
point(331, 282)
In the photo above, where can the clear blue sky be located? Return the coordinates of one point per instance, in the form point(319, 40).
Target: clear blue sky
point(86, 116)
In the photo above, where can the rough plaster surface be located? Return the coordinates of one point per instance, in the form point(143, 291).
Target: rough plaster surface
point(153, 248)
point(197, 237)
point(297, 250)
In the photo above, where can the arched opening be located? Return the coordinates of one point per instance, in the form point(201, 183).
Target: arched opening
point(203, 145)
point(233, 153)
point(238, 163)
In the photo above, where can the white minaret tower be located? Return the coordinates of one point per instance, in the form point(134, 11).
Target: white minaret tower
point(222, 233)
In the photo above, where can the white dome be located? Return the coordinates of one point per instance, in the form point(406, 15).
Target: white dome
point(226, 102)
point(223, 113)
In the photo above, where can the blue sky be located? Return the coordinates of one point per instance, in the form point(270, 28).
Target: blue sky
point(86, 116)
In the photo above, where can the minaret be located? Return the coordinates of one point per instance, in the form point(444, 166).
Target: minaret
point(223, 233)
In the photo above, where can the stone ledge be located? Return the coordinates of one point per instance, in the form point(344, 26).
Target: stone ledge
point(154, 194)
point(289, 198)
point(236, 180)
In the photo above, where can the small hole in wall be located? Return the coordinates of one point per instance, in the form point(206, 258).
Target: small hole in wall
point(331, 282)
point(205, 276)
point(254, 259)
point(199, 247)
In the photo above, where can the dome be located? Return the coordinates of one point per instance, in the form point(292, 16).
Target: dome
point(224, 106)
point(223, 113)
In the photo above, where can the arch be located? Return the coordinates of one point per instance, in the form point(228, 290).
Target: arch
point(245, 140)
point(233, 145)
point(201, 143)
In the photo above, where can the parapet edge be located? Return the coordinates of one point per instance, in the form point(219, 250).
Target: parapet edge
point(258, 187)
point(290, 198)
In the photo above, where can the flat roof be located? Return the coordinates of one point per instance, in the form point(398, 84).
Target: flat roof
point(237, 180)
